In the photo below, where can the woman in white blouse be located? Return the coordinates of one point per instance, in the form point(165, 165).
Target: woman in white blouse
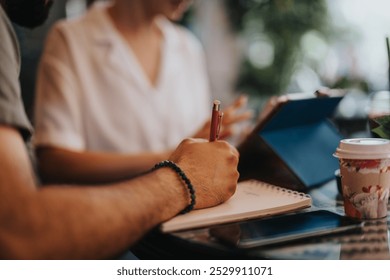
point(118, 89)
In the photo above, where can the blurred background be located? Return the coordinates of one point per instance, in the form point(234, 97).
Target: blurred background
point(271, 47)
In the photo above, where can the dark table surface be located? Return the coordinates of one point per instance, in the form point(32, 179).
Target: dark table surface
point(371, 242)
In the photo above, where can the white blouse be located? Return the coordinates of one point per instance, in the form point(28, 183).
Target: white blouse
point(92, 93)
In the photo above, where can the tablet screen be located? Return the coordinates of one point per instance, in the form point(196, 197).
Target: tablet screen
point(283, 228)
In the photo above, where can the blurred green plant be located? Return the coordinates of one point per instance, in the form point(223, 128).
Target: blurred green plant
point(274, 29)
point(382, 129)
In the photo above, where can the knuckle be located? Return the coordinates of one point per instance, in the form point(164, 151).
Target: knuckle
point(233, 159)
point(237, 175)
point(231, 190)
point(223, 144)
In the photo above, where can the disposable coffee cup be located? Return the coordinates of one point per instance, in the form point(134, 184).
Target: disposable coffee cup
point(365, 176)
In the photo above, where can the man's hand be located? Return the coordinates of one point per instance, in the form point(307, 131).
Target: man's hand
point(211, 167)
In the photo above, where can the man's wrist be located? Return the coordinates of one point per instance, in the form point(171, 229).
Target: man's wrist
point(184, 179)
point(172, 187)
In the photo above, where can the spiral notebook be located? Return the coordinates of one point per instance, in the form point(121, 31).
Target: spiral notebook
point(252, 199)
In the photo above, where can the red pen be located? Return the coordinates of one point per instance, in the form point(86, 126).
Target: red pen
point(216, 120)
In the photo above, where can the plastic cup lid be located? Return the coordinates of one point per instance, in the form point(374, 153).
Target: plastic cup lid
point(363, 148)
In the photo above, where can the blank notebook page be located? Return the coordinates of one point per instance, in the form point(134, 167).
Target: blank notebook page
point(252, 199)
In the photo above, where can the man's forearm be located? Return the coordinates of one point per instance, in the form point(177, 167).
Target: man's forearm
point(89, 222)
point(66, 166)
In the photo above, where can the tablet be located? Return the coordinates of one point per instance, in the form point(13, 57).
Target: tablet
point(286, 228)
point(297, 135)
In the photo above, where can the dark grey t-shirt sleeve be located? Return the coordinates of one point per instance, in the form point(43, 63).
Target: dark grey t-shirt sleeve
point(12, 112)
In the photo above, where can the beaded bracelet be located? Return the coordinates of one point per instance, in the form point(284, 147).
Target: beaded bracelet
point(177, 169)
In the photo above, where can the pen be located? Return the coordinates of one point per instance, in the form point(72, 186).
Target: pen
point(216, 119)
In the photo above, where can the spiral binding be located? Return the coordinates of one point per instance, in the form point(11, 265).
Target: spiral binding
point(293, 193)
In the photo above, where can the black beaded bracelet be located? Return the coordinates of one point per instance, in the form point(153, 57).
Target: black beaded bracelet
point(177, 169)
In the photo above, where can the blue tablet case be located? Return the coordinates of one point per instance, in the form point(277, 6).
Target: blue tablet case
point(302, 136)
point(293, 146)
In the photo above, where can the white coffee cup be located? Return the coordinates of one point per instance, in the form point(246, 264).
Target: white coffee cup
point(365, 176)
